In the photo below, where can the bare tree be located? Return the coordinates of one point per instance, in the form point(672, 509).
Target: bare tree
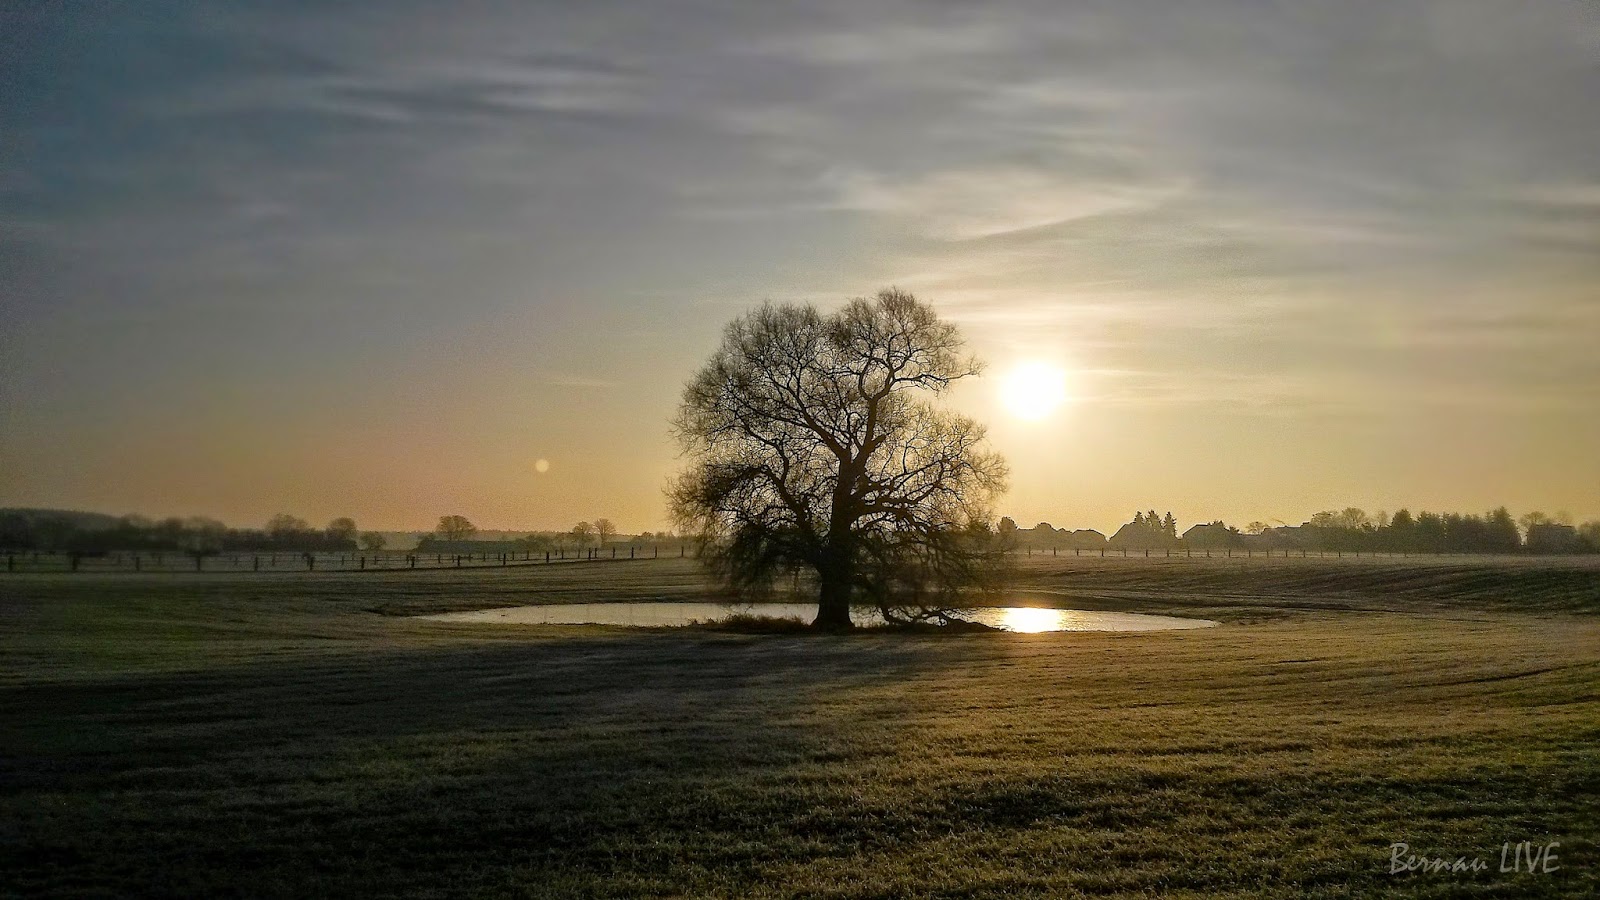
point(813, 448)
point(582, 532)
point(372, 540)
point(605, 530)
point(1529, 520)
point(455, 528)
point(342, 529)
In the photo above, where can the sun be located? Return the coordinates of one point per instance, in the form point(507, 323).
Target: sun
point(1034, 390)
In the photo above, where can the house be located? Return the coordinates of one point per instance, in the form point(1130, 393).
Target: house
point(1085, 539)
point(1213, 536)
point(1552, 539)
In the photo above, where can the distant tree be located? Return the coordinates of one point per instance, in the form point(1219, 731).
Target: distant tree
point(1255, 528)
point(279, 526)
point(813, 447)
point(604, 530)
point(583, 533)
point(1008, 527)
point(203, 535)
point(1430, 532)
point(1169, 526)
point(1528, 520)
point(342, 529)
point(16, 532)
point(1502, 535)
point(455, 528)
point(372, 540)
point(1352, 517)
point(1589, 534)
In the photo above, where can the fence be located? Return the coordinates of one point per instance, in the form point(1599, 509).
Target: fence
point(1257, 553)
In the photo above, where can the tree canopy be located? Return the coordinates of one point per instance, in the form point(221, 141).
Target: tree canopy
point(814, 445)
point(455, 528)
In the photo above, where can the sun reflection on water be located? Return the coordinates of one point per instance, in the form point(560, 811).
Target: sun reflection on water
point(1030, 620)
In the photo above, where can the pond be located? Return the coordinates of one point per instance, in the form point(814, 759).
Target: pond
point(1010, 618)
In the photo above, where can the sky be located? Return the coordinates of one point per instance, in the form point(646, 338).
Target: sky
point(379, 260)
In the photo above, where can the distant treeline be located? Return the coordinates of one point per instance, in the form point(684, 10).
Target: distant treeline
point(67, 531)
point(1348, 530)
point(53, 530)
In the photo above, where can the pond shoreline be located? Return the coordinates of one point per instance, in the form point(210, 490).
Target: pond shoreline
point(669, 614)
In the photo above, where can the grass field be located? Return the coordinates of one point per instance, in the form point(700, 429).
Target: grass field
point(297, 735)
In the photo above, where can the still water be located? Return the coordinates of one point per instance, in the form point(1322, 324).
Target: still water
point(1011, 618)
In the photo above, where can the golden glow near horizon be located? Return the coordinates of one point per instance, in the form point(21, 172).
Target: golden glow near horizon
point(1033, 390)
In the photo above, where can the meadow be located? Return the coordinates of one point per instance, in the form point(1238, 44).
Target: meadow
point(297, 734)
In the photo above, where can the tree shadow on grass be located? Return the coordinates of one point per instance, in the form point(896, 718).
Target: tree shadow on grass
point(456, 770)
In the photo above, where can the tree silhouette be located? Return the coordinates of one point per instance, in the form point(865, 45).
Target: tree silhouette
point(604, 530)
point(342, 529)
point(455, 528)
point(372, 540)
point(582, 532)
point(281, 525)
point(812, 447)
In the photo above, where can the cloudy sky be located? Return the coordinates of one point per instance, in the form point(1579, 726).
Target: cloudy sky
point(379, 259)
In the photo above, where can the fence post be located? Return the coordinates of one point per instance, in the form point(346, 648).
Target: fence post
point(363, 563)
point(255, 563)
point(547, 556)
point(11, 563)
point(137, 563)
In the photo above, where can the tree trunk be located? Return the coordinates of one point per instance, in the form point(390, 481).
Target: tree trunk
point(833, 603)
point(837, 573)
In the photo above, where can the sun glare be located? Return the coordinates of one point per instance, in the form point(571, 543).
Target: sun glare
point(1034, 390)
point(1028, 620)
